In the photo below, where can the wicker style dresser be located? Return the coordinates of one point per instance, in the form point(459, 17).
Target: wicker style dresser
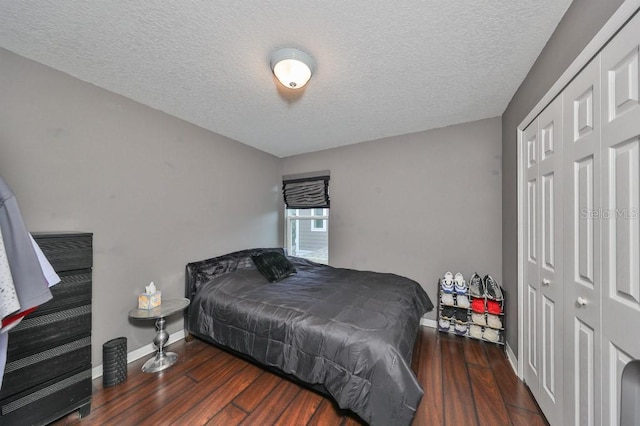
point(48, 371)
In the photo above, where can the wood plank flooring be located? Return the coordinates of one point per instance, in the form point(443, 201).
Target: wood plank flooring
point(466, 382)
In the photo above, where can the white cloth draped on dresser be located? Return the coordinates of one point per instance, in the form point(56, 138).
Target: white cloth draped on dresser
point(25, 273)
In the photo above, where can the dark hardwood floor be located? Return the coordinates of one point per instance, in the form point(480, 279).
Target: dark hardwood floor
point(465, 382)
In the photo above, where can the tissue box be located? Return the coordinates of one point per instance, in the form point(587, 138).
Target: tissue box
point(149, 300)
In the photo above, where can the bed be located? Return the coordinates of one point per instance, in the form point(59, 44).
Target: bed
point(349, 334)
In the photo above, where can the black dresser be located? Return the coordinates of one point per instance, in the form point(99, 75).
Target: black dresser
point(48, 371)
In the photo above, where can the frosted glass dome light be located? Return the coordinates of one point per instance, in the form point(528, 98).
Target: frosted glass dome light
point(292, 67)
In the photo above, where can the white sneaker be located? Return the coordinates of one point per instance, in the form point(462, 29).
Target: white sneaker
point(463, 302)
point(460, 284)
point(491, 335)
point(447, 299)
point(478, 318)
point(461, 329)
point(444, 324)
point(494, 321)
point(475, 331)
point(447, 283)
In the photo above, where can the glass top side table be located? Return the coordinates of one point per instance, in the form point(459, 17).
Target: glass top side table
point(162, 359)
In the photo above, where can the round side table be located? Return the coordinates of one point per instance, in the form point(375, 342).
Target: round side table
point(162, 359)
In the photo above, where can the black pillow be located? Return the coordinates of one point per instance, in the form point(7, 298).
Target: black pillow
point(273, 265)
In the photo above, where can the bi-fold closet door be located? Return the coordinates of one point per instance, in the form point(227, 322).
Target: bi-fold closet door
point(582, 278)
point(620, 190)
point(602, 239)
point(595, 312)
point(543, 141)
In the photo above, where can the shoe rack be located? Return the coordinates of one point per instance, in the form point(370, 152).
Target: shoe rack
point(477, 321)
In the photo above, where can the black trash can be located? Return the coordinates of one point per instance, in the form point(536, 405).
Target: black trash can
point(114, 362)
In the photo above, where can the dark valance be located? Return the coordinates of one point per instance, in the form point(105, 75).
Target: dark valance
point(306, 193)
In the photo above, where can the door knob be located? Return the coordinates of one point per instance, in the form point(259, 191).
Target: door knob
point(581, 301)
point(546, 281)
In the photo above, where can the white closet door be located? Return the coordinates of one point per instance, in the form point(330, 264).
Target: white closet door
point(532, 259)
point(543, 268)
point(581, 104)
point(620, 207)
point(550, 284)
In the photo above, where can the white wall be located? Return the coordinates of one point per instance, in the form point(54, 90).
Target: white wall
point(157, 192)
point(416, 205)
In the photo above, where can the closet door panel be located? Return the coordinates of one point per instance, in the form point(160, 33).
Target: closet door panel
point(621, 209)
point(585, 382)
point(584, 219)
point(581, 236)
point(550, 277)
point(532, 346)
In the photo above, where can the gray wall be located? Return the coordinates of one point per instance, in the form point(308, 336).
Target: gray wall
point(157, 192)
point(416, 205)
point(581, 22)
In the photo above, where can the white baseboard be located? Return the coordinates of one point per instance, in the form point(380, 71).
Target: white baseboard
point(425, 322)
point(178, 335)
point(512, 360)
point(139, 353)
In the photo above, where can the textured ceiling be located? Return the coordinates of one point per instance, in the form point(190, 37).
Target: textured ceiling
point(383, 68)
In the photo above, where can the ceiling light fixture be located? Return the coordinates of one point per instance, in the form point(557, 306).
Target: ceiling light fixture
point(292, 67)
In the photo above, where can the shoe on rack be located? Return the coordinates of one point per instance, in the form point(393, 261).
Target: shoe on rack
point(444, 324)
point(448, 313)
point(478, 318)
point(492, 288)
point(491, 335)
point(477, 305)
point(460, 285)
point(475, 331)
point(461, 329)
point(476, 286)
point(462, 316)
point(494, 321)
point(447, 282)
point(493, 307)
point(463, 302)
point(447, 299)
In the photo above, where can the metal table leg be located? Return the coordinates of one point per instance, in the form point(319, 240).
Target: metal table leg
point(162, 359)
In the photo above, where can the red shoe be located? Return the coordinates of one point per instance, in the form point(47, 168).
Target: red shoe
point(494, 307)
point(477, 305)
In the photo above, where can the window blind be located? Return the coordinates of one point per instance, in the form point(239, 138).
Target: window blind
point(306, 193)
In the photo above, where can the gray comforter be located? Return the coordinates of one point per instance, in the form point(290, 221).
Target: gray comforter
point(350, 331)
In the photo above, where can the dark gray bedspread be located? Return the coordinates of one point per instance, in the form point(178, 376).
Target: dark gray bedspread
point(351, 331)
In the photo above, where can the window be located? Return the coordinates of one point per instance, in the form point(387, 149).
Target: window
point(320, 225)
point(307, 234)
point(306, 200)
